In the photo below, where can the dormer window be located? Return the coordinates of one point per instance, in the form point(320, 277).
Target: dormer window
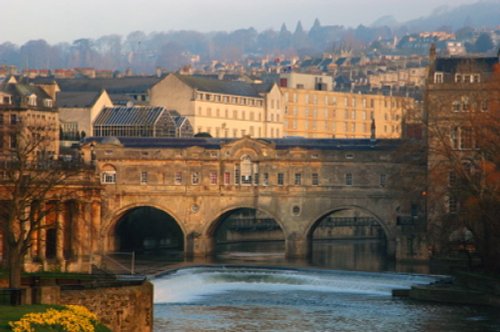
point(6, 100)
point(31, 100)
point(47, 102)
point(438, 77)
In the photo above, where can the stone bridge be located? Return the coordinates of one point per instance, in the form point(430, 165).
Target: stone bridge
point(295, 181)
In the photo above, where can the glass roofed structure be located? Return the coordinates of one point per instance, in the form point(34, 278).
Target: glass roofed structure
point(141, 122)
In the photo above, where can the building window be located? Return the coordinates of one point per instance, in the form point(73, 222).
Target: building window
point(178, 178)
point(265, 180)
point(383, 180)
point(144, 177)
point(452, 204)
point(298, 179)
point(227, 178)
point(281, 179)
point(256, 179)
point(315, 179)
point(195, 178)
point(484, 105)
point(108, 177)
point(14, 119)
point(348, 179)
point(466, 138)
point(452, 179)
point(213, 177)
point(438, 78)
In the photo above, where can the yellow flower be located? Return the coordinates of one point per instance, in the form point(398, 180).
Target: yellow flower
point(72, 319)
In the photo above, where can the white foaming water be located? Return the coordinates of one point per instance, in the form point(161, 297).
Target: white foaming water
point(191, 284)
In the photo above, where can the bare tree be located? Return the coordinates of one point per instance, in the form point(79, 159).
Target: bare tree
point(32, 180)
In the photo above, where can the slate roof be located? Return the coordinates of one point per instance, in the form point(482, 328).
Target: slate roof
point(77, 99)
point(236, 88)
point(455, 64)
point(280, 144)
point(138, 84)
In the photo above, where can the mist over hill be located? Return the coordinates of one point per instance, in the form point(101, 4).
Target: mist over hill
point(171, 50)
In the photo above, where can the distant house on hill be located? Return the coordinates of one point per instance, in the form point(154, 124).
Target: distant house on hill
point(141, 122)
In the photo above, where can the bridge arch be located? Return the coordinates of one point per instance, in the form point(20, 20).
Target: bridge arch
point(118, 217)
point(217, 221)
point(390, 236)
point(319, 217)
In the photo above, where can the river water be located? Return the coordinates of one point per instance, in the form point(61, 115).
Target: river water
point(321, 297)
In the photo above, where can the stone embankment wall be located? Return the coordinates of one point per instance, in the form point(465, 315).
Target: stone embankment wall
point(122, 309)
point(126, 308)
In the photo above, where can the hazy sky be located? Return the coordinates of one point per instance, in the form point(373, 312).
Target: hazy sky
point(67, 20)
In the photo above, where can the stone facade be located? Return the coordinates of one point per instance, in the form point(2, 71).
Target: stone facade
point(296, 182)
point(222, 108)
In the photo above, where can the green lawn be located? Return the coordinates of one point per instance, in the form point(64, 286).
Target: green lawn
point(13, 313)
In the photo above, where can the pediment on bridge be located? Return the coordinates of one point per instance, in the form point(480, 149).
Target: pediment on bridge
point(254, 148)
point(194, 151)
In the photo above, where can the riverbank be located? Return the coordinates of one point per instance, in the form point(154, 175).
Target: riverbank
point(464, 288)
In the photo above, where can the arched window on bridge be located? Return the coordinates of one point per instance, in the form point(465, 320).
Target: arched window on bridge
point(246, 171)
point(108, 174)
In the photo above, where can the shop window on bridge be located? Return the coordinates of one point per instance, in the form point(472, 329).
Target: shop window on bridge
point(144, 177)
point(383, 180)
point(178, 178)
point(227, 178)
point(281, 179)
point(108, 175)
point(348, 179)
point(247, 171)
point(195, 178)
point(213, 177)
point(315, 179)
point(265, 180)
point(298, 179)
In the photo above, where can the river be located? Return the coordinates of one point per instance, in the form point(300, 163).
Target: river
point(350, 293)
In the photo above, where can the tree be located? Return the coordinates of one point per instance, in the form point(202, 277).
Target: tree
point(483, 43)
point(33, 180)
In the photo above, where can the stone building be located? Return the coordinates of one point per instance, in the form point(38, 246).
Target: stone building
point(462, 105)
point(223, 108)
point(26, 109)
point(77, 112)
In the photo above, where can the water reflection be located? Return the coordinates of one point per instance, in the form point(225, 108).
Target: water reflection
point(353, 255)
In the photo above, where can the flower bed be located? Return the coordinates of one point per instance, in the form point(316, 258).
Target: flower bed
point(70, 318)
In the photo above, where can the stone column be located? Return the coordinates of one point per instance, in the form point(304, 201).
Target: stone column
point(42, 242)
point(60, 235)
point(77, 232)
point(95, 227)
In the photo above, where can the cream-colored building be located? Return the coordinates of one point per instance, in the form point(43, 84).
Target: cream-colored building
point(222, 108)
point(330, 114)
point(77, 112)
